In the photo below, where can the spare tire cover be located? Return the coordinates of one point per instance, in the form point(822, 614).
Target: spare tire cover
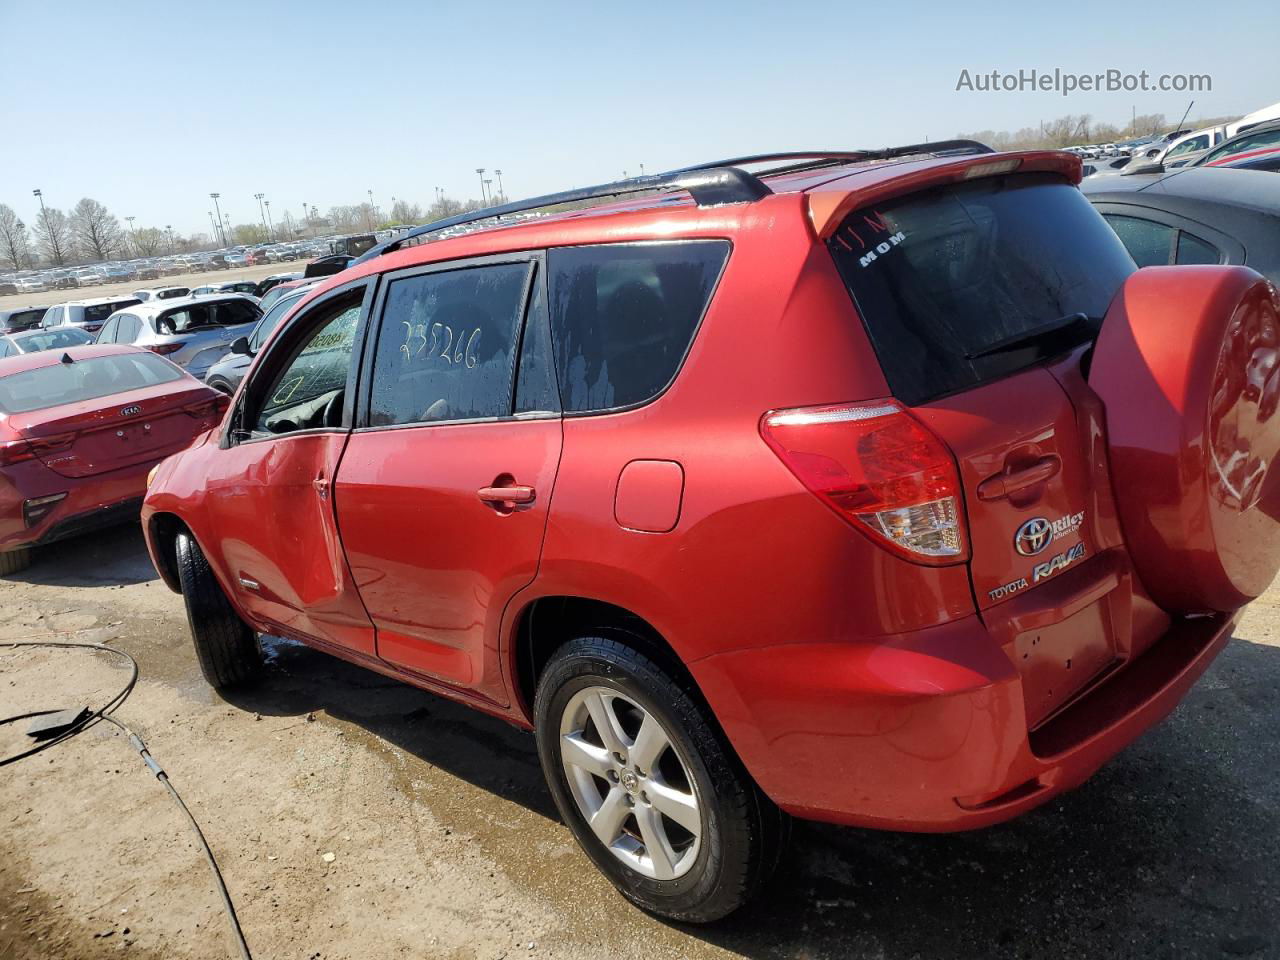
point(1188, 365)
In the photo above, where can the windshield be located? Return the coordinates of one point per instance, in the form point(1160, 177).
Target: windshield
point(51, 339)
point(943, 276)
point(85, 379)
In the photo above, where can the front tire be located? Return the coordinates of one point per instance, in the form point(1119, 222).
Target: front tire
point(651, 791)
point(14, 561)
point(226, 646)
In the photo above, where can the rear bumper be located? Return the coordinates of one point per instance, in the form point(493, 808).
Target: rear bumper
point(928, 732)
point(90, 503)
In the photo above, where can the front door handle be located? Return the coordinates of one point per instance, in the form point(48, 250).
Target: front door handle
point(322, 487)
point(1003, 484)
point(507, 497)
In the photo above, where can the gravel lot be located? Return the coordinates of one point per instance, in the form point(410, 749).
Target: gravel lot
point(445, 842)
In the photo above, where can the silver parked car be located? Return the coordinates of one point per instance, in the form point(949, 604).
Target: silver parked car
point(192, 332)
point(88, 315)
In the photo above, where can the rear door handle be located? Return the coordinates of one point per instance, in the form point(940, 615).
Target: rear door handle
point(504, 496)
point(1003, 484)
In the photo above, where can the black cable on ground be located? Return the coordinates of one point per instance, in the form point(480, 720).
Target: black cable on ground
point(104, 713)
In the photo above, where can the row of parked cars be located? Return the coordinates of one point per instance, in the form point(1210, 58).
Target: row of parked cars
point(825, 491)
point(157, 268)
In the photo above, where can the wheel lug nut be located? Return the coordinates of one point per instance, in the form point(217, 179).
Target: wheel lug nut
point(619, 758)
point(613, 775)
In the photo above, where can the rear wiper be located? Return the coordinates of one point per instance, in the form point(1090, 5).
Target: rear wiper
point(1029, 338)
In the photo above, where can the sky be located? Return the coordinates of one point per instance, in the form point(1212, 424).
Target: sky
point(149, 106)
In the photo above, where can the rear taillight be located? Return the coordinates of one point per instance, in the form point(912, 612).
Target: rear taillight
point(212, 409)
point(17, 451)
point(878, 468)
point(164, 349)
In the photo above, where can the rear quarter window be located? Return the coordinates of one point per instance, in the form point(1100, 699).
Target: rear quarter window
point(942, 277)
point(623, 317)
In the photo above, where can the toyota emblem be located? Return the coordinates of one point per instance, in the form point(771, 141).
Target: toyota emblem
point(1033, 536)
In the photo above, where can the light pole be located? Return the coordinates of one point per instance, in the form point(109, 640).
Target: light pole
point(214, 225)
point(489, 184)
point(44, 215)
point(483, 198)
point(215, 197)
point(169, 227)
point(498, 174)
point(133, 234)
point(642, 169)
point(271, 230)
point(258, 197)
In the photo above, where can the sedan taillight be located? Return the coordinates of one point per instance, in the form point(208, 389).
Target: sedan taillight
point(164, 349)
point(881, 470)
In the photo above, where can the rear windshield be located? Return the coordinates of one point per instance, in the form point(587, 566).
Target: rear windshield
point(85, 379)
point(948, 281)
point(22, 318)
point(51, 339)
point(98, 312)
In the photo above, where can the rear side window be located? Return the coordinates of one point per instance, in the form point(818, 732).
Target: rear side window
point(233, 312)
point(1149, 243)
point(446, 345)
point(98, 312)
point(86, 379)
point(623, 317)
point(954, 284)
point(1191, 249)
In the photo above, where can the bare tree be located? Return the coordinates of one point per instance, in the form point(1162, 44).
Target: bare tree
point(96, 230)
point(54, 234)
point(404, 212)
point(15, 248)
point(148, 241)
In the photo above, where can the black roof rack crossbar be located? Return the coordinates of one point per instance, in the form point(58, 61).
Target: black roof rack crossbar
point(709, 184)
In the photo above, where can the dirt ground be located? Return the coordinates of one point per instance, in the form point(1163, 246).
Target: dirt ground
point(445, 843)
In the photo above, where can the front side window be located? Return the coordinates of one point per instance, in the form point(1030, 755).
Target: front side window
point(1189, 146)
point(108, 332)
point(269, 322)
point(446, 345)
point(310, 391)
point(623, 317)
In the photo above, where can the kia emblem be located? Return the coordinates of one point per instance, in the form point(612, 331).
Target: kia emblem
point(130, 411)
point(1033, 536)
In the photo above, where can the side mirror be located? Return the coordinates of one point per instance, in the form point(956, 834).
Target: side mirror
point(240, 345)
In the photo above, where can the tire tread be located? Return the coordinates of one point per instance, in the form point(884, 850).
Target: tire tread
point(226, 646)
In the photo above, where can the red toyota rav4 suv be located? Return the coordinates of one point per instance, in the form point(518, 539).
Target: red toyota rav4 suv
point(875, 488)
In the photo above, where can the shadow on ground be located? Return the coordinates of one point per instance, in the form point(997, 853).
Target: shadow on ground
point(113, 557)
point(1173, 850)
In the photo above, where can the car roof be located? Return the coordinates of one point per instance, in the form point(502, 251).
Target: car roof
point(638, 217)
point(94, 301)
point(1246, 189)
point(48, 358)
point(162, 306)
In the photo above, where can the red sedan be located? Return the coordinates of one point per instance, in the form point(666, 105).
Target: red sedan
point(79, 431)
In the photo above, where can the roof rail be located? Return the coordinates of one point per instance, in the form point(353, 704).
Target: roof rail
point(710, 184)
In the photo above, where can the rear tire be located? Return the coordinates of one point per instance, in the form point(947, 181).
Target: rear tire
point(220, 385)
point(226, 646)
point(718, 837)
point(14, 561)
